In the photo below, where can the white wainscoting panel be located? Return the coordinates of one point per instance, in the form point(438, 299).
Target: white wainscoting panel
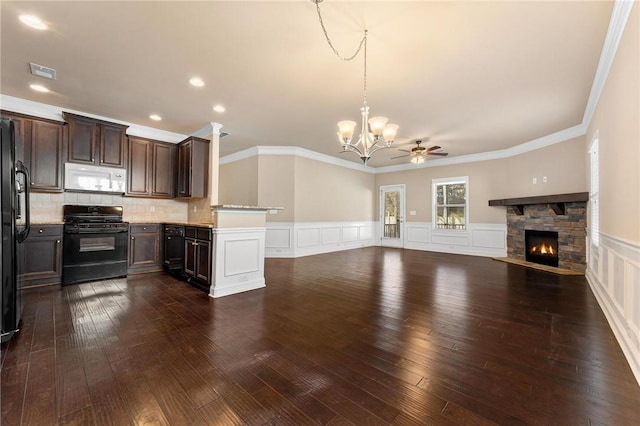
point(238, 260)
point(308, 238)
point(489, 238)
point(417, 234)
point(331, 235)
point(479, 239)
point(444, 238)
point(242, 256)
point(365, 232)
point(279, 238)
point(349, 234)
point(613, 274)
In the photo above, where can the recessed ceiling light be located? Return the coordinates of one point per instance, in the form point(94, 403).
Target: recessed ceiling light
point(196, 81)
point(39, 88)
point(219, 108)
point(155, 117)
point(33, 21)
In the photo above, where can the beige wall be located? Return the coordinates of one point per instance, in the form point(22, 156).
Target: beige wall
point(562, 164)
point(327, 193)
point(238, 182)
point(309, 190)
point(276, 186)
point(617, 120)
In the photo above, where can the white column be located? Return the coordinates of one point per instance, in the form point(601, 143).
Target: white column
point(214, 163)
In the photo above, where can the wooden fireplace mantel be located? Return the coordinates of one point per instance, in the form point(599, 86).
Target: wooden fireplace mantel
point(556, 202)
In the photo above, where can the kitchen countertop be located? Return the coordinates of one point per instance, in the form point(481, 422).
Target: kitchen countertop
point(241, 207)
point(196, 224)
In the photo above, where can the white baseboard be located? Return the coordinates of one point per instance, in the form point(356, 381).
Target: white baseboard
point(237, 288)
point(613, 273)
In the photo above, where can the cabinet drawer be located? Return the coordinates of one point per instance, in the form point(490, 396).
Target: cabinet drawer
point(203, 234)
point(46, 231)
point(198, 233)
point(144, 228)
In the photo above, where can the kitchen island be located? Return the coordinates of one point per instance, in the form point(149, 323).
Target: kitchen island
point(237, 248)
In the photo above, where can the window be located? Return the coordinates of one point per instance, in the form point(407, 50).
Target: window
point(594, 191)
point(450, 209)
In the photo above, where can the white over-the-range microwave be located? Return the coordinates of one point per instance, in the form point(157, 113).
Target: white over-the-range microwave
point(78, 177)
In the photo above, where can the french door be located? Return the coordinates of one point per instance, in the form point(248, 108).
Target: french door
point(392, 215)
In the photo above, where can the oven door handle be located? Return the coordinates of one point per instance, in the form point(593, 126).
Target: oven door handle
point(93, 231)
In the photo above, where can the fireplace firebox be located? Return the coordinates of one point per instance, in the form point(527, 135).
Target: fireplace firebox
point(541, 247)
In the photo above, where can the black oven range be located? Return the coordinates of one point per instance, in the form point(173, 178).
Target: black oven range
point(95, 243)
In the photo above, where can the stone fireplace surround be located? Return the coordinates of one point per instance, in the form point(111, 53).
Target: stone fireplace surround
point(565, 214)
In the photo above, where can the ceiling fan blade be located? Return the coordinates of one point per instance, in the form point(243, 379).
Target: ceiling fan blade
point(441, 154)
point(404, 150)
point(434, 148)
point(400, 156)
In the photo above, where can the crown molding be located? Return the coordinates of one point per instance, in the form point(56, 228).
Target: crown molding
point(237, 156)
point(53, 112)
point(295, 152)
point(619, 17)
point(552, 139)
point(208, 130)
point(561, 136)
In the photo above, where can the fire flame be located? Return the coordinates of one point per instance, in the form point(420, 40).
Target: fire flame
point(543, 249)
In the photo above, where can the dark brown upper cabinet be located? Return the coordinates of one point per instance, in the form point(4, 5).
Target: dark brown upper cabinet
point(151, 168)
point(193, 168)
point(96, 142)
point(40, 145)
point(163, 175)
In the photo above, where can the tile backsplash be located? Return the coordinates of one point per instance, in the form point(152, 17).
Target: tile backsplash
point(47, 208)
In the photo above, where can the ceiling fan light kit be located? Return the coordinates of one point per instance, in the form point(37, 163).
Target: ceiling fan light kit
point(419, 153)
point(376, 133)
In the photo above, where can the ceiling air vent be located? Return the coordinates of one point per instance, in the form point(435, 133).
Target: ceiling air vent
point(42, 71)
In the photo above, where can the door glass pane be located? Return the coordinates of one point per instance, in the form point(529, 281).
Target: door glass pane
point(392, 214)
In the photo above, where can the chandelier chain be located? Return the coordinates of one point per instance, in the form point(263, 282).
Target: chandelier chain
point(363, 43)
point(376, 133)
point(326, 35)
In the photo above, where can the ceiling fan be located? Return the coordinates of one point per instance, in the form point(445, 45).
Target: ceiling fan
point(419, 153)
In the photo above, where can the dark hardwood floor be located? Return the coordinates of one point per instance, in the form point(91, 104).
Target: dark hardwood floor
point(370, 336)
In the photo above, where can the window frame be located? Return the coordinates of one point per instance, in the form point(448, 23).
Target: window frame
point(594, 193)
point(434, 202)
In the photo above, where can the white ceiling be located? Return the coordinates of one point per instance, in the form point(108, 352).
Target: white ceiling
point(471, 76)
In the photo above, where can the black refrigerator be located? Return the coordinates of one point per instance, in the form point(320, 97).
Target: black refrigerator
point(14, 199)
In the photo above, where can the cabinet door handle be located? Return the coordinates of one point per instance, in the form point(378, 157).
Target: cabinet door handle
point(57, 241)
point(168, 238)
point(40, 231)
point(133, 238)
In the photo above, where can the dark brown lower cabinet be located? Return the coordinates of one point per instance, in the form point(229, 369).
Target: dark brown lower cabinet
point(42, 256)
point(144, 248)
point(197, 256)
